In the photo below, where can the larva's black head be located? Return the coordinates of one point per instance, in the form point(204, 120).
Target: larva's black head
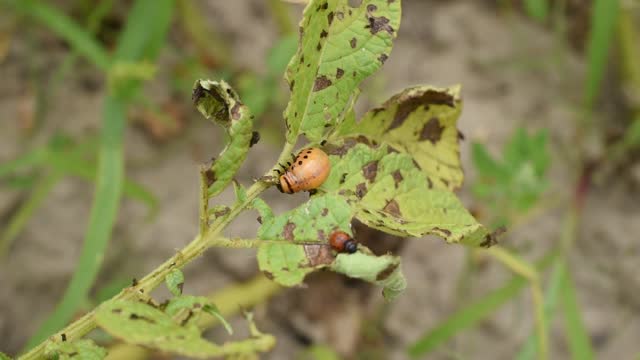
point(350, 246)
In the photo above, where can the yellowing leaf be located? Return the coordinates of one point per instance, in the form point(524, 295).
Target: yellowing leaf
point(390, 193)
point(219, 102)
point(419, 121)
point(339, 47)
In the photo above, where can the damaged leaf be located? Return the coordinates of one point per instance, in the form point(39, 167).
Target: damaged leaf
point(390, 193)
point(83, 349)
point(383, 271)
point(339, 47)
point(187, 309)
point(175, 282)
point(420, 121)
point(307, 228)
point(219, 102)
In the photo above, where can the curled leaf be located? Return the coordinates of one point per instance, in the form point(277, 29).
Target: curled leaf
point(175, 282)
point(219, 102)
point(382, 270)
point(340, 46)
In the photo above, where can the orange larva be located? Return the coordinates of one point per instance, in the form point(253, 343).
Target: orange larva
point(309, 170)
point(341, 242)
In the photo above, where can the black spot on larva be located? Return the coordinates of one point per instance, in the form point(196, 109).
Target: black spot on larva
point(431, 131)
point(319, 47)
point(300, 162)
point(287, 231)
point(383, 58)
point(392, 207)
point(211, 177)
point(291, 85)
point(323, 34)
point(322, 82)
point(411, 104)
point(361, 190)
point(309, 152)
point(235, 111)
point(397, 177)
point(370, 170)
point(343, 178)
point(330, 17)
point(306, 157)
point(339, 73)
point(255, 137)
point(371, 8)
point(382, 275)
point(353, 42)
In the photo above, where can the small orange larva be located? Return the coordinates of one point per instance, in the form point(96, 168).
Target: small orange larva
point(341, 242)
point(309, 170)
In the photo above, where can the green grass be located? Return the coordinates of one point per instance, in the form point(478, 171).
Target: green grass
point(142, 39)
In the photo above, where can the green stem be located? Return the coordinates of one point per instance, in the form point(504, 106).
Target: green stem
point(194, 249)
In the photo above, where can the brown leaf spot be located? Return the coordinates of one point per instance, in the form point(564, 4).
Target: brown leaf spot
point(180, 287)
point(392, 208)
point(323, 33)
point(340, 15)
point(460, 135)
point(268, 275)
point(211, 177)
point(377, 24)
point(287, 231)
point(330, 17)
point(442, 231)
point(370, 170)
point(302, 59)
point(320, 254)
point(325, 211)
point(383, 58)
point(353, 42)
point(319, 47)
point(235, 111)
point(339, 73)
point(135, 316)
point(343, 178)
point(259, 219)
point(411, 104)
point(222, 212)
point(432, 131)
point(361, 190)
point(397, 178)
point(382, 275)
point(371, 8)
point(492, 238)
point(321, 235)
point(255, 137)
point(322, 82)
point(291, 84)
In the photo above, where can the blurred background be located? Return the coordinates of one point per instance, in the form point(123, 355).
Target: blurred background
point(551, 120)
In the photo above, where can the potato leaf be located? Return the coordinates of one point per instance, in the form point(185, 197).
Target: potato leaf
point(420, 121)
point(219, 102)
point(382, 270)
point(389, 192)
point(340, 46)
point(83, 349)
point(175, 282)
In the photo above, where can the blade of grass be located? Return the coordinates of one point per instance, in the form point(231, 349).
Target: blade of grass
point(32, 158)
point(66, 28)
point(143, 36)
point(603, 24)
point(474, 312)
point(21, 217)
point(577, 335)
point(537, 9)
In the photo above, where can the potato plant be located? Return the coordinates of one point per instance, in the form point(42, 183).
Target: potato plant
point(394, 169)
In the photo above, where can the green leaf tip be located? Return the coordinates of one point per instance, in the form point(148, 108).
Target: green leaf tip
point(220, 103)
point(83, 349)
point(339, 46)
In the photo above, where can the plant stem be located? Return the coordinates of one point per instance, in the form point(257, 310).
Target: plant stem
point(195, 248)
